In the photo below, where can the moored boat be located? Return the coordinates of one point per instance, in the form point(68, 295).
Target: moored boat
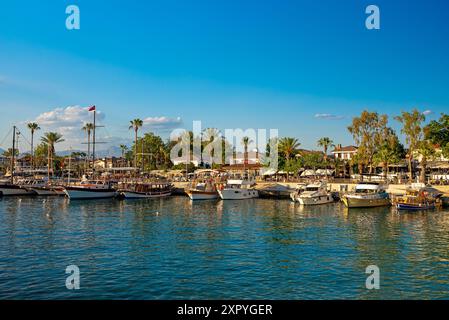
point(145, 190)
point(14, 190)
point(417, 199)
point(238, 190)
point(203, 191)
point(366, 195)
point(48, 190)
point(276, 191)
point(314, 194)
point(90, 190)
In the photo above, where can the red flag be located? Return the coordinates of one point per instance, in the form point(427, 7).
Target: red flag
point(92, 108)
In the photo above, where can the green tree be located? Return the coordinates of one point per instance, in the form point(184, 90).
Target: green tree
point(8, 153)
point(288, 147)
point(135, 125)
point(412, 129)
point(391, 151)
point(88, 128)
point(123, 148)
point(437, 131)
point(246, 141)
point(50, 139)
point(368, 132)
point(427, 152)
point(33, 126)
point(325, 143)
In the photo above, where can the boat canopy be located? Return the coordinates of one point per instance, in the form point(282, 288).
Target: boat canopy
point(367, 186)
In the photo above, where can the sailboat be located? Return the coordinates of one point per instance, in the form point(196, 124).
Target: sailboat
point(10, 188)
point(91, 189)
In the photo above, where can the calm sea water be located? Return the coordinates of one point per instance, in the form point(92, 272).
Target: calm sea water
point(252, 249)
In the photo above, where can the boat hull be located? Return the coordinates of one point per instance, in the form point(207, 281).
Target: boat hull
point(310, 201)
point(13, 190)
point(75, 193)
point(414, 207)
point(44, 191)
point(202, 195)
point(142, 195)
point(365, 203)
point(238, 194)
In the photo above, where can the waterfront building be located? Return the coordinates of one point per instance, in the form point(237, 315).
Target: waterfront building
point(344, 153)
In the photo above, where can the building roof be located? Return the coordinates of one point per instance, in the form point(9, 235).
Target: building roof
point(239, 167)
point(345, 149)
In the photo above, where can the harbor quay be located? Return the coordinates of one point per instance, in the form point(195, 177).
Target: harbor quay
point(339, 187)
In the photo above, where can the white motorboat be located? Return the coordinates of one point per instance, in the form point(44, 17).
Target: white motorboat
point(90, 190)
point(203, 191)
point(367, 194)
point(314, 194)
point(300, 187)
point(238, 190)
point(145, 190)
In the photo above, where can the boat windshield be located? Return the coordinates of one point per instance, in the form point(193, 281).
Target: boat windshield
point(312, 189)
point(360, 190)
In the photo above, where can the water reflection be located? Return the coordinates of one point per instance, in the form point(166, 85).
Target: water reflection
point(178, 249)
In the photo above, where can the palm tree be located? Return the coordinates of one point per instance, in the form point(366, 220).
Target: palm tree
point(33, 126)
point(88, 128)
point(123, 148)
point(288, 146)
point(325, 142)
point(135, 125)
point(210, 135)
point(8, 153)
point(246, 141)
point(50, 139)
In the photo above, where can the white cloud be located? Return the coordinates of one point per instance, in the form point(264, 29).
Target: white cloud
point(72, 116)
point(162, 123)
point(67, 121)
point(328, 116)
point(427, 112)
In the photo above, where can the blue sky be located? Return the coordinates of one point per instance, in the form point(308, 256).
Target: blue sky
point(231, 64)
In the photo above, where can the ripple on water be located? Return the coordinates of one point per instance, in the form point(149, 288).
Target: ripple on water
point(256, 249)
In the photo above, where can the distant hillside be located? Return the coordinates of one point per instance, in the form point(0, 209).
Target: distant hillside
point(110, 152)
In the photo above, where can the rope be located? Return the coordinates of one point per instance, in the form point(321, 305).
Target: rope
point(7, 135)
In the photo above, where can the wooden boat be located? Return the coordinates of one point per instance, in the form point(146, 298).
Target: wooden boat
point(48, 190)
point(90, 190)
point(366, 195)
point(203, 191)
point(425, 198)
point(142, 190)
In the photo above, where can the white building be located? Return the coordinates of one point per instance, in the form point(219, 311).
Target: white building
point(344, 153)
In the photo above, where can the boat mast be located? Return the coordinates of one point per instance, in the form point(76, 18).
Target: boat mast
point(93, 143)
point(13, 152)
point(70, 167)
